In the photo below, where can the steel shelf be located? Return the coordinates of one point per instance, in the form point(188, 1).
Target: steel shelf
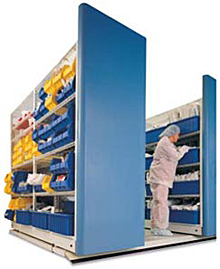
point(184, 165)
point(65, 102)
point(42, 194)
point(178, 196)
point(27, 165)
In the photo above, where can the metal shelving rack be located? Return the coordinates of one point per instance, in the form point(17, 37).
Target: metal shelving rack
point(42, 162)
point(197, 135)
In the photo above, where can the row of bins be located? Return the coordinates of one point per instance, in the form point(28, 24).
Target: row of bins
point(180, 216)
point(192, 156)
point(58, 133)
point(187, 125)
point(181, 188)
point(61, 223)
point(61, 167)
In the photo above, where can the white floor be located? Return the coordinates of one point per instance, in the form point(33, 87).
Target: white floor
point(154, 241)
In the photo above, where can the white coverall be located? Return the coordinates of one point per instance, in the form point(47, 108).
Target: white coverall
point(162, 172)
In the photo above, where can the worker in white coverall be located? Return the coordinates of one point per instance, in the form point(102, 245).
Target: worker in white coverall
point(162, 172)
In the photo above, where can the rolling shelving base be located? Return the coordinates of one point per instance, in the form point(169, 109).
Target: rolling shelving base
point(60, 245)
point(31, 233)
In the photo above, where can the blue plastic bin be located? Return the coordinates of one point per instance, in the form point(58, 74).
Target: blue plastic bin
point(188, 125)
point(148, 162)
point(180, 216)
point(42, 109)
point(185, 216)
point(63, 122)
point(36, 115)
point(35, 136)
point(17, 177)
point(46, 146)
point(9, 214)
point(45, 132)
point(66, 185)
point(24, 189)
point(23, 217)
point(64, 138)
point(180, 188)
point(42, 94)
point(192, 156)
point(61, 223)
point(39, 220)
point(60, 97)
point(63, 167)
point(185, 187)
point(38, 188)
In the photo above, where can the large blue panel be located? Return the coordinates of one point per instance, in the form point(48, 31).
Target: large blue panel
point(110, 157)
point(209, 156)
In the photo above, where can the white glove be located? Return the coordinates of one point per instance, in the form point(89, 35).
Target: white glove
point(184, 149)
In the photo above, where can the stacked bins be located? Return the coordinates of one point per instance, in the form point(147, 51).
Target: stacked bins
point(66, 167)
point(58, 133)
point(180, 188)
point(41, 110)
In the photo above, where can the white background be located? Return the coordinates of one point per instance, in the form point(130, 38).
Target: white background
point(183, 44)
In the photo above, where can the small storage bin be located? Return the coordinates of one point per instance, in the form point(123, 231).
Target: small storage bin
point(185, 187)
point(42, 94)
point(39, 220)
point(9, 214)
point(46, 184)
point(184, 216)
point(46, 147)
point(45, 132)
point(23, 217)
point(192, 156)
point(57, 166)
point(38, 188)
point(64, 138)
point(180, 216)
point(188, 125)
point(24, 189)
point(61, 223)
point(148, 162)
point(62, 122)
point(66, 185)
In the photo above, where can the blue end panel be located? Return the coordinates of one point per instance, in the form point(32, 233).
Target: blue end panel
point(209, 156)
point(110, 155)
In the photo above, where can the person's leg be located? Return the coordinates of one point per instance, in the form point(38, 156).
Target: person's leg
point(159, 209)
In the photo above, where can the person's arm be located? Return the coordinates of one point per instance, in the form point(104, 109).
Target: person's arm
point(171, 152)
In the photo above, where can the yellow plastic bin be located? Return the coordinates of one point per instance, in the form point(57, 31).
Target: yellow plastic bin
point(8, 178)
point(8, 187)
point(57, 81)
point(46, 183)
point(22, 203)
point(11, 204)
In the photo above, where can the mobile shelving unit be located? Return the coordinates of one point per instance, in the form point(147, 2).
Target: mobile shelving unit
point(106, 149)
